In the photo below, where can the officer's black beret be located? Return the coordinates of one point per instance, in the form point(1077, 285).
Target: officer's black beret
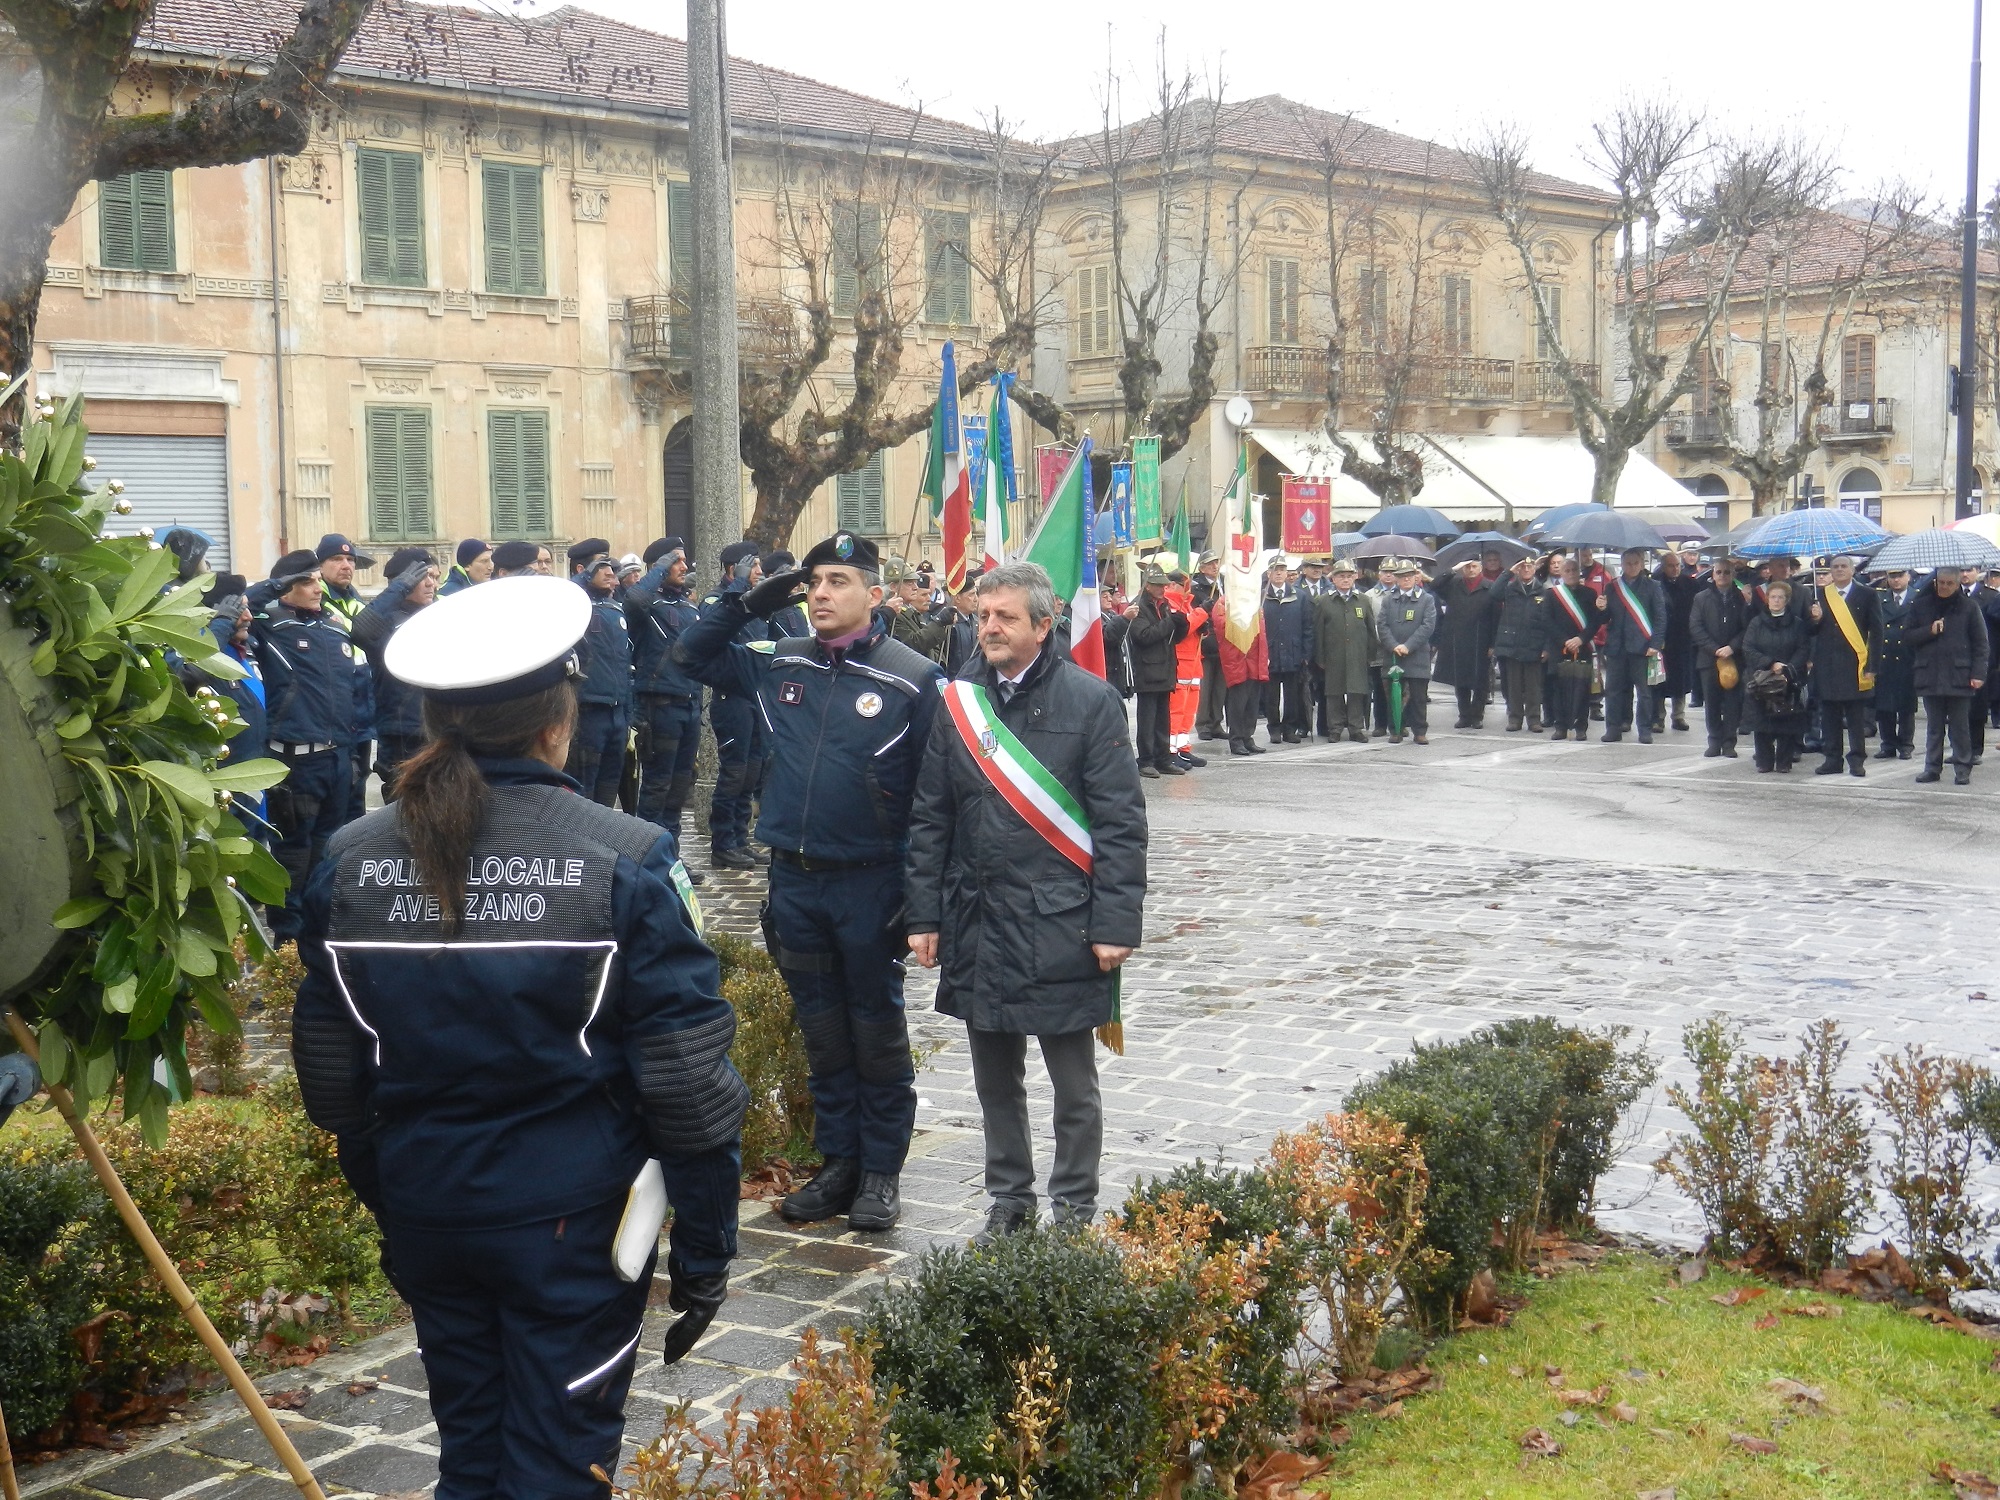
point(774, 563)
point(405, 558)
point(844, 550)
point(293, 566)
point(514, 556)
point(589, 547)
point(735, 552)
point(657, 550)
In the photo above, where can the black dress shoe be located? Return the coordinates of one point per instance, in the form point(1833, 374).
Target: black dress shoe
point(1610, 737)
point(1857, 769)
point(1827, 768)
point(1237, 747)
point(1712, 752)
point(1928, 775)
point(1560, 734)
point(879, 1204)
point(1151, 773)
point(1172, 768)
point(1729, 751)
point(1905, 752)
point(1251, 747)
point(1192, 761)
point(1887, 752)
point(1003, 1219)
point(1961, 777)
point(831, 1191)
point(735, 859)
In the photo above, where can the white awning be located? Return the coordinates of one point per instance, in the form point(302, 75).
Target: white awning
point(1476, 477)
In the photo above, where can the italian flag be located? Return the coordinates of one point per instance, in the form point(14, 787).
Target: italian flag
point(946, 484)
point(1064, 543)
point(997, 476)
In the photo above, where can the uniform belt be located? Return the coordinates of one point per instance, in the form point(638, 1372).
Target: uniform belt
point(814, 866)
point(308, 747)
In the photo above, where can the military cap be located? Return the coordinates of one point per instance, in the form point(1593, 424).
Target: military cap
point(843, 550)
point(512, 557)
point(225, 595)
point(405, 558)
point(514, 637)
point(1343, 565)
point(1153, 575)
point(659, 549)
point(774, 563)
point(585, 550)
point(293, 567)
point(333, 545)
point(735, 552)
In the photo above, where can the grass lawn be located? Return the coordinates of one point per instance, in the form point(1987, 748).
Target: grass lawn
point(1900, 1395)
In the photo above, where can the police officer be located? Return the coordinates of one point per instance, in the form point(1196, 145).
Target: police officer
point(309, 701)
point(507, 1010)
point(848, 712)
point(338, 595)
point(732, 719)
point(658, 608)
point(789, 623)
point(399, 708)
point(604, 697)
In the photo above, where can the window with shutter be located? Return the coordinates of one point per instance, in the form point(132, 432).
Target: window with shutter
point(135, 221)
point(1455, 298)
point(857, 254)
point(518, 473)
point(947, 270)
point(392, 216)
point(857, 499)
point(1093, 311)
point(1857, 368)
point(1281, 282)
point(680, 266)
point(513, 202)
point(399, 473)
point(1546, 347)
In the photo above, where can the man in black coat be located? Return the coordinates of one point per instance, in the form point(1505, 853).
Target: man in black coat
point(1154, 629)
point(1946, 634)
point(1895, 688)
point(1288, 639)
point(1468, 609)
point(1635, 631)
point(1680, 588)
point(1844, 612)
point(1715, 632)
point(1027, 926)
point(1985, 593)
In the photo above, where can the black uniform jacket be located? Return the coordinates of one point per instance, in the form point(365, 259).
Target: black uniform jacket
point(1015, 919)
point(1945, 664)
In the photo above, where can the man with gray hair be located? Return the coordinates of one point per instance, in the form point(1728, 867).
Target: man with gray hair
point(1025, 883)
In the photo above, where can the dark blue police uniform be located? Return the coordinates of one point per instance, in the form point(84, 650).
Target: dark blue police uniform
point(399, 708)
point(495, 1092)
point(308, 665)
point(847, 730)
point(604, 701)
point(669, 700)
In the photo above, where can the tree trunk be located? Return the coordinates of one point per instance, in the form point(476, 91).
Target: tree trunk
point(20, 305)
point(1764, 496)
point(1610, 466)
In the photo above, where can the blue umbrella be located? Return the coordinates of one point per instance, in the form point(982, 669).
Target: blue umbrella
point(1474, 546)
point(1814, 533)
point(1345, 539)
point(1555, 515)
point(1609, 530)
point(1408, 520)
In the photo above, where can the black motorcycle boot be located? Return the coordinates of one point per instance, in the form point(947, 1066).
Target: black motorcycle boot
point(832, 1191)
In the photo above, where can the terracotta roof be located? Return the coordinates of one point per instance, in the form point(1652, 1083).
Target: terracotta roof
point(569, 54)
point(1824, 248)
point(1272, 125)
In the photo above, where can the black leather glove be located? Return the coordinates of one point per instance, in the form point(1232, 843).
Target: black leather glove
point(775, 592)
point(697, 1299)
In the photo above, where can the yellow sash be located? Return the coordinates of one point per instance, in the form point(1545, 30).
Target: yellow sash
point(1836, 600)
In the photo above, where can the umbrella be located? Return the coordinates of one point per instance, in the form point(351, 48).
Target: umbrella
point(1672, 525)
point(1473, 547)
point(1608, 529)
point(1392, 546)
point(1927, 551)
point(1555, 515)
point(1986, 525)
point(1342, 540)
point(1408, 520)
point(1813, 533)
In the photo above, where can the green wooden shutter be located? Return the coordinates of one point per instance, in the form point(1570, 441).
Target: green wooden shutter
point(117, 223)
point(392, 217)
point(680, 267)
point(846, 276)
point(537, 515)
point(529, 260)
point(518, 469)
point(414, 461)
point(154, 192)
point(135, 221)
point(947, 272)
point(497, 186)
point(873, 518)
point(513, 215)
point(399, 472)
point(847, 502)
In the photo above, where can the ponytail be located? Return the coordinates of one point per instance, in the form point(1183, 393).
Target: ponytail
point(441, 799)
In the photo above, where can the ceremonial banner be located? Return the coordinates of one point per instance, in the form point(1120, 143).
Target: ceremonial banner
point(1051, 463)
point(1121, 505)
point(974, 428)
point(1308, 512)
point(1145, 491)
point(1182, 544)
point(1065, 544)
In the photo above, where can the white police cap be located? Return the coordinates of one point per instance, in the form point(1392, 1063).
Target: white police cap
point(505, 639)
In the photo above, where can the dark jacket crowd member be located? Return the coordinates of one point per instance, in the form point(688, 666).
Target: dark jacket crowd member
point(1155, 632)
point(1634, 612)
point(659, 608)
point(848, 711)
point(399, 708)
point(1716, 621)
point(1679, 588)
point(740, 748)
point(515, 1032)
point(1570, 606)
point(1777, 647)
point(1288, 644)
point(1947, 637)
point(1895, 686)
point(1344, 650)
point(1468, 601)
point(1026, 880)
point(343, 603)
point(1521, 645)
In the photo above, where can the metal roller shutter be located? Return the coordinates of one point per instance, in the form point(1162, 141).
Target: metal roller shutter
point(171, 481)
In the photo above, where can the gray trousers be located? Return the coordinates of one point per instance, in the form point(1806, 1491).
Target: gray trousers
point(999, 1074)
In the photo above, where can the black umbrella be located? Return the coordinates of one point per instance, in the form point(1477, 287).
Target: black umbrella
point(1392, 546)
point(1474, 547)
point(1408, 520)
point(1607, 530)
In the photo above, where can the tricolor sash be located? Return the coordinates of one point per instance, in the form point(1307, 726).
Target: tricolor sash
point(1836, 600)
point(1018, 776)
point(1571, 609)
point(1634, 608)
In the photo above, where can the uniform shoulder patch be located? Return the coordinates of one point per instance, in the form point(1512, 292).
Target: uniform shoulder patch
point(767, 647)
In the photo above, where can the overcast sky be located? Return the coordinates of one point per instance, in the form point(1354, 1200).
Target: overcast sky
point(1885, 83)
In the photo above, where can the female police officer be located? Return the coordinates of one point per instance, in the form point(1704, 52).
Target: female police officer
point(507, 1010)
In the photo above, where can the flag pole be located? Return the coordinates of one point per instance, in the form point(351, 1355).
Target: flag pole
point(9, 1486)
point(163, 1267)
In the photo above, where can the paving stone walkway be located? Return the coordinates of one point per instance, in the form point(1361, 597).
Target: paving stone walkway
point(1277, 970)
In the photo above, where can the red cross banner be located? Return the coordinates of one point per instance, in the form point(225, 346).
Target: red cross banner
point(1308, 514)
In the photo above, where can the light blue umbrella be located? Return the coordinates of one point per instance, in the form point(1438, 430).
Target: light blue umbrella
point(1814, 533)
point(1409, 520)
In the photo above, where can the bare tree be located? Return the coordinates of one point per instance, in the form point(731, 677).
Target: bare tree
point(1677, 197)
point(1814, 255)
point(66, 59)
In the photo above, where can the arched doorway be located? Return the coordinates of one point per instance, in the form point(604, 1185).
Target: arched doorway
point(677, 469)
point(1713, 492)
point(1861, 493)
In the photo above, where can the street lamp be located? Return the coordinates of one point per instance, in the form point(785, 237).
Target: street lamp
point(1968, 288)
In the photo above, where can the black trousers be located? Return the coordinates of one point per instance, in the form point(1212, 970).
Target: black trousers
point(669, 736)
point(308, 807)
point(732, 718)
point(1472, 699)
point(1625, 680)
point(357, 790)
point(1569, 703)
point(1151, 737)
point(1285, 705)
point(1214, 705)
point(1897, 725)
point(1722, 709)
point(1951, 716)
point(1378, 694)
point(597, 750)
point(1245, 701)
point(1849, 718)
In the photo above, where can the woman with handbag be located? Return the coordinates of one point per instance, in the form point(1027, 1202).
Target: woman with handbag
point(1776, 644)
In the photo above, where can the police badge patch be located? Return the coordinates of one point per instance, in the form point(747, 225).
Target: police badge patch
point(793, 693)
point(868, 705)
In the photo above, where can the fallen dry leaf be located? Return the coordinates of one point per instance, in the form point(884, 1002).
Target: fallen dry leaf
point(1518, 1373)
point(1811, 1310)
point(1584, 1398)
point(1793, 1390)
point(1537, 1443)
point(1597, 1327)
point(1569, 1419)
point(1552, 1370)
point(1738, 1296)
point(1666, 1494)
point(287, 1400)
point(361, 1387)
point(1752, 1444)
point(1482, 1300)
point(1765, 1323)
point(1277, 1476)
point(1965, 1484)
point(1625, 1412)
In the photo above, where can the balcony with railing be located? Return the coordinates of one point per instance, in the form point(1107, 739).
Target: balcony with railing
point(1858, 422)
point(1300, 370)
point(1693, 431)
point(659, 333)
point(1540, 382)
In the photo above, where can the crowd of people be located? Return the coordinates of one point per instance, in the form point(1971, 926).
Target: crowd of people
point(1572, 644)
